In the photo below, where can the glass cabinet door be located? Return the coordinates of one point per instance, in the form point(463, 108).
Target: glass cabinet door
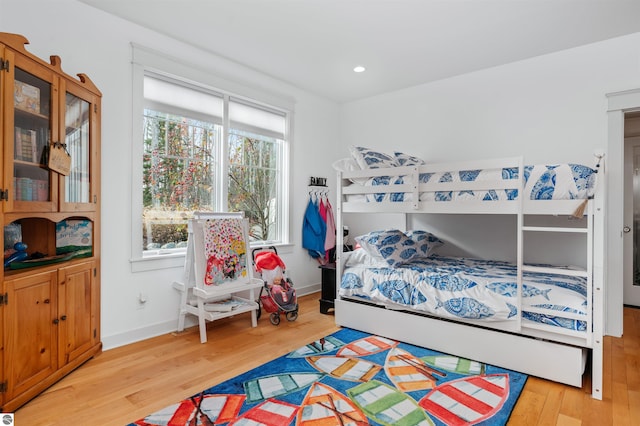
point(40, 113)
point(32, 124)
point(76, 139)
point(78, 127)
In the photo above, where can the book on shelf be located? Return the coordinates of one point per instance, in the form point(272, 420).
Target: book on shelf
point(26, 189)
point(41, 190)
point(17, 144)
point(226, 305)
point(26, 145)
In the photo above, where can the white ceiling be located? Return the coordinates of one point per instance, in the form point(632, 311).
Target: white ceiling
point(314, 44)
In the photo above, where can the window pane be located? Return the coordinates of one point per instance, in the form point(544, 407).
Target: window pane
point(186, 167)
point(253, 182)
point(178, 168)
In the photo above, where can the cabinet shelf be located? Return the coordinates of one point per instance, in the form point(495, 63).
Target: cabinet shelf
point(30, 164)
point(20, 112)
point(25, 272)
point(46, 260)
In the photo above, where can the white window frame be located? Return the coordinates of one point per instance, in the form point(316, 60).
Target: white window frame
point(148, 60)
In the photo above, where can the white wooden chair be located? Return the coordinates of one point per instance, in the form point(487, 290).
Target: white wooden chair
point(216, 299)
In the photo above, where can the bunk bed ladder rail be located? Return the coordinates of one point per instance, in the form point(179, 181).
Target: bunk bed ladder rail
point(587, 274)
point(589, 337)
point(594, 276)
point(598, 277)
point(520, 241)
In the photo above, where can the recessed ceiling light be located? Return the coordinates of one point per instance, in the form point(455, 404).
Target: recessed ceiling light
point(359, 68)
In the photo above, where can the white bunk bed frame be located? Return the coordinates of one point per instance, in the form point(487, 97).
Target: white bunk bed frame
point(540, 350)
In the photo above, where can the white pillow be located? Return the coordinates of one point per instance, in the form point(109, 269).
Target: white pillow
point(426, 242)
point(349, 165)
point(393, 246)
point(367, 243)
point(360, 257)
point(367, 158)
point(408, 160)
point(345, 165)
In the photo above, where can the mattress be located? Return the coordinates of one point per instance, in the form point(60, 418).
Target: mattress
point(541, 182)
point(464, 288)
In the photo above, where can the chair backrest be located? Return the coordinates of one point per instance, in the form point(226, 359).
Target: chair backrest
point(221, 249)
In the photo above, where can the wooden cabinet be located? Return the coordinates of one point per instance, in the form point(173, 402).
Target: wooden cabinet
point(30, 340)
point(77, 308)
point(50, 291)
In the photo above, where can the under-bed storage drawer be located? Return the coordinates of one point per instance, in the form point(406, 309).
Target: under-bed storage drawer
point(545, 359)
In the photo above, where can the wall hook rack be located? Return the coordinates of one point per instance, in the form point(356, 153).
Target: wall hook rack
point(317, 181)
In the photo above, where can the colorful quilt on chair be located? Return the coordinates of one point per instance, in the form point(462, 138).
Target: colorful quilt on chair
point(354, 378)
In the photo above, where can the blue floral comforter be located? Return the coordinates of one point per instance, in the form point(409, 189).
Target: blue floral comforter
point(463, 288)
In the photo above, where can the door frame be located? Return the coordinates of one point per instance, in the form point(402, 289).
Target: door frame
point(631, 293)
point(618, 104)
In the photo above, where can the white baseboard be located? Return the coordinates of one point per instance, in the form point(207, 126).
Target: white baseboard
point(303, 291)
point(171, 325)
point(139, 334)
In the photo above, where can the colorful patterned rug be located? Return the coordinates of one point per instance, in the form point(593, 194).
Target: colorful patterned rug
point(354, 378)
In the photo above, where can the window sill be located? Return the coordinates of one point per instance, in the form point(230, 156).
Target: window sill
point(176, 260)
point(284, 248)
point(153, 263)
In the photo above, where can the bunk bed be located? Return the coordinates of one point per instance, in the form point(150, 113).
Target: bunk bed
point(387, 290)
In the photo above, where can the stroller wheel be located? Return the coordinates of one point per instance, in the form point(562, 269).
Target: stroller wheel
point(258, 311)
point(292, 315)
point(275, 318)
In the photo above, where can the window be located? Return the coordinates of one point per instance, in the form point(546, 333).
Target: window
point(207, 150)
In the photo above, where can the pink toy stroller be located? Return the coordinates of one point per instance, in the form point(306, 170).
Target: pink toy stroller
point(279, 296)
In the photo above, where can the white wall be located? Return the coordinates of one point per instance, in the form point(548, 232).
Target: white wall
point(549, 109)
point(97, 44)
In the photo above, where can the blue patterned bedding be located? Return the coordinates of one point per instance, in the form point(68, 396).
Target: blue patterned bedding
point(462, 288)
point(542, 182)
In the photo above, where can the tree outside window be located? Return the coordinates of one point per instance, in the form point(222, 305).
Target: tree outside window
point(178, 170)
point(253, 175)
point(180, 175)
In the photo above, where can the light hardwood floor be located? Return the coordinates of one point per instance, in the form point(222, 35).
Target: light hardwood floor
point(124, 384)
